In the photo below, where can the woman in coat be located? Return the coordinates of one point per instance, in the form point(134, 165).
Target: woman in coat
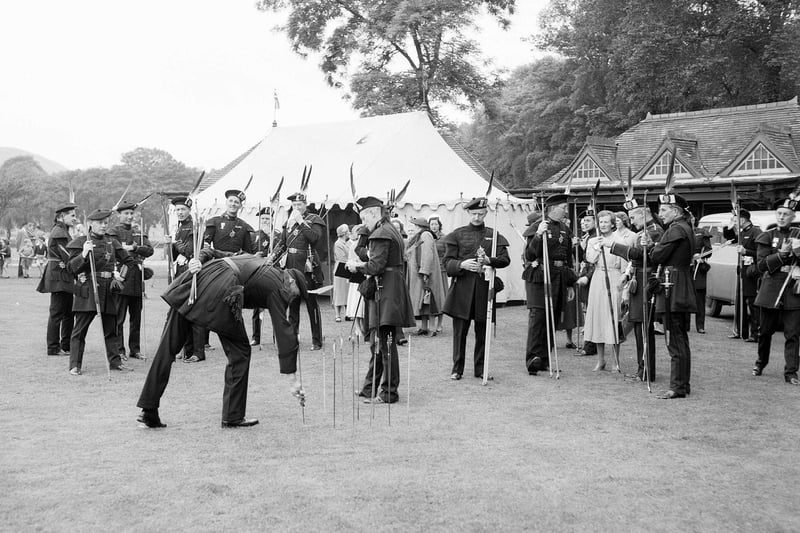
point(340, 285)
point(438, 232)
point(424, 275)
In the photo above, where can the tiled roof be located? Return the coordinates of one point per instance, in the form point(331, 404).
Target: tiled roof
point(707, 142)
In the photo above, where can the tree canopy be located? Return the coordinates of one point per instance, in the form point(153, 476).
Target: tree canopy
point(406, 54)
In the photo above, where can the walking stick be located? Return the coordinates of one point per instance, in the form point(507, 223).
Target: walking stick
point(168, 246)
point(490, 273)
point(740, 266)
point(93, 271)
point(548, 302)
point(645, 316)
point(334, 384)
point(389, 341)
point(607, 280)
point(353, 376)
point(577, 265)
point(144, 292)
point(324, 380)
point(300, 377)
point(408, 384)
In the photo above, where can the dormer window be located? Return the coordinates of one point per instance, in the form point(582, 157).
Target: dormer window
point(760, 161)
point(661, 167)
point(588, 170)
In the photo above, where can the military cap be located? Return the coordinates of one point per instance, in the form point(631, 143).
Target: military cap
point(630, 205)
point(124, 205)
point(587, 213)
point(235, 192)
point(99, 214)
point(182, 200)
point(368, 201)
point(264, 211)
point(297, 197)
point(66, 207)
point(477, 203)
point(555, 199)
point(421, 222)
point(673, 199)
point(789, 203)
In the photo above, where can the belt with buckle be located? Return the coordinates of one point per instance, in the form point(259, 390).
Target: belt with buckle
point(105, 275)
point(558, 263)
point(786, 268)
point(295, 250)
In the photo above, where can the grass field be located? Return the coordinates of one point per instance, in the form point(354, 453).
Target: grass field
point(588, 452)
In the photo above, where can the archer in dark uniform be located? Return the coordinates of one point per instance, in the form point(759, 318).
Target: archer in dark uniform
point(224, 287)
point(227, 235)
point(136, 243)
point(295, 248)
point(106, 251)
point(388, 306)
point(261, 243)
point(746, 313)
point(182, 251)
point(642, 219)
point(676, 301)
point(562, 280)
point(467, 252)
point(779, 295)
point(700, 268)
point(58, 281)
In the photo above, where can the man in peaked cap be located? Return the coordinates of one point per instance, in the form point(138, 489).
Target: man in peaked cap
point(135, 242)
point(467, 252)
point(388, 306)
point(57, 280)
point(676, 302)
point(562, 279)
point(295, 248)
point(182, 244)
point(106, 251)
point(777, 260)
point(746, 313)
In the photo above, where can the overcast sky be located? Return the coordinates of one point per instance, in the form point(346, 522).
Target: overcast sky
point(86, 80)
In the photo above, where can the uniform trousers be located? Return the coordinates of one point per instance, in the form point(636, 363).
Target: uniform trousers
point(378, 366)
point(679, 353)
point(78, 341)
point(256, 336)
point(700, 315)
point(651, 348)
point(237, 371)
point(770, 320)
point(314, 317)
point(750, 321)
point(129, 305)
point(460, 331)
point(59, 325)
point(537, 337)
point(195, 342)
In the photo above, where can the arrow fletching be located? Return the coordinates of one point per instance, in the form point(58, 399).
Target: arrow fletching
point(116, 205)
point(276, 196)
point(197, 183)
point(491, 183)
point(248, 183)
point(401, 193)
point(670, 181)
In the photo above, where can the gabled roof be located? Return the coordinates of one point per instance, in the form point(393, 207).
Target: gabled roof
point(706, 142)
point(215, 175)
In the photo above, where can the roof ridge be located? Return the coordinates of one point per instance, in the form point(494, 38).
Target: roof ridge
point(724, 110)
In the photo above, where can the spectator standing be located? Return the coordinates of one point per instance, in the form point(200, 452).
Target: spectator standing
point(341, 286)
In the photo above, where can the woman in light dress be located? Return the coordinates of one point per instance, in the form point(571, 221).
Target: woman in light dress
point(601, 327)
point(341, 286)
point(355, 304)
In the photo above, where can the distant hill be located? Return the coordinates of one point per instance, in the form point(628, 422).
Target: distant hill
point(49, 166)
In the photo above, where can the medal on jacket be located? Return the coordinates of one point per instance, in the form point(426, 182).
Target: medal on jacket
point(222, 225)
point(775, 241)
point(232, 233)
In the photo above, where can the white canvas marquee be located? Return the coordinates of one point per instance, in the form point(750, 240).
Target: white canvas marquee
point(385, 152)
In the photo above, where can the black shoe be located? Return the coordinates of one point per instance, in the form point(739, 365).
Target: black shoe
point(701, 331)
point(570, 345)
point(123, 356)
point(490, 378)
point(793, 381)
point(402, 342)
point(361, 394)
point(121, 368)
point(316, 347)
point(455, 376)
point(138, 355)
point(241, 423)
point(635, 377)
point(193, 359)
point(734, 336)
point(671, 395)
point(533, 372)
point(58, 353)
point(149, 417)
point(751, 339)
point(254, 342)
point(757, 370)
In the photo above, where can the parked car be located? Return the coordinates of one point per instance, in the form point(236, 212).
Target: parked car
point(721, 283)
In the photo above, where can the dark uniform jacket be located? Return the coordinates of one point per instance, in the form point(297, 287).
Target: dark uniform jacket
point(56, 276)
point(700, 268)
point(469, 292)
point(132, 235)
point(183, 244)
point(674, 252)
point(107, 251)
point(559, 251)
point(228, 236)
point(261, 242)
point(298, 245)
point(390, 304)
point(635, 255)
point(775, 269)
point(749, 273)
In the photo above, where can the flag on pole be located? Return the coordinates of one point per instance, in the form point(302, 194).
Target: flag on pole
point(275, 97)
